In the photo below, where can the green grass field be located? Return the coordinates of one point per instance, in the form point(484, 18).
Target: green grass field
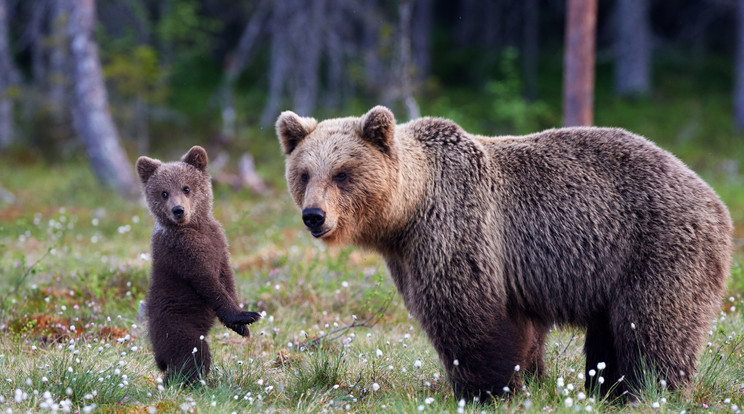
point(75, 260)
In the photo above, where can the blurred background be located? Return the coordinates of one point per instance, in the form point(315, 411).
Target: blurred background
point(101, 82)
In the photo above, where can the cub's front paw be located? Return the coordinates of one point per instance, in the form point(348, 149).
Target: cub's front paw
point(248, 317)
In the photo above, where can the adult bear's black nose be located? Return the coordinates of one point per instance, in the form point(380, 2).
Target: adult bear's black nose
point(313, 217)
point(178, 211)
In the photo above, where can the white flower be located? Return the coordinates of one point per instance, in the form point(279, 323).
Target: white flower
point(456, 362)
point(417, 363)
point(601, 366)
point(588, 408)
point(568, 402)
point(201, 337)
point(378, 352)
point(193, 351)
point(655, 404)
point(505, 389)
point(592, 372)
point(560, 382)
point(632, 325)
point(429, 400)
point(421, 408)
point(375, 387)
point(581, 396)
point(516, 368)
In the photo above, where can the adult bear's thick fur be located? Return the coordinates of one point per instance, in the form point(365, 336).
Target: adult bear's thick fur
point(492, 240)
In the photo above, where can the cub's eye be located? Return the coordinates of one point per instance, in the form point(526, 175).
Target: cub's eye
point(304, 177)
point(165, 195)
point(340, 177)
point(186, 190)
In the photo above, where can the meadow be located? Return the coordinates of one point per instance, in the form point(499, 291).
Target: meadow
point(74, 266)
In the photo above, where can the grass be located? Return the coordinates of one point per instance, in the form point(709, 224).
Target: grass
point(75, 265)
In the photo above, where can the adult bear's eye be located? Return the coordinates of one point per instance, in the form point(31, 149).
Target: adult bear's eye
point(186, 190)
point(340, 177)
point(304, 177)
point(165, 195)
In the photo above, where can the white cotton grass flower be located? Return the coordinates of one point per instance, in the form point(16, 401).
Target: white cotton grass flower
point(456, 362)
point(655, 404)
point(375, 387)
point(417, 363)
point(516, 368)
point(429, 400)
point(378, 352)
point(560, 382)
point(592, 372)
point(601, 366)
point(632, 325)
point(568, 402)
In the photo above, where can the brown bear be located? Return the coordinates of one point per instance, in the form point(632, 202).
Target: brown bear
point(192, 282)
point(492, 240)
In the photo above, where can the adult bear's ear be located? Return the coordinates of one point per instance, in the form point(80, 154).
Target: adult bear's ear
point(146, 167)
point(292, 129)
point(197, 156)
point(378, 128)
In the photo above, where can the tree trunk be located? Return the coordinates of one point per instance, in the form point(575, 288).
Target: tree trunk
point(8, 77)
point(58, 61)
point(632, 48)
point(405, 60)
point(90, 110)
point(530, 48)
point(739, 83)
point(578, 63)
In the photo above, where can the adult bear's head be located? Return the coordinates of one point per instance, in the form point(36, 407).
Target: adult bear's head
point(341, 172)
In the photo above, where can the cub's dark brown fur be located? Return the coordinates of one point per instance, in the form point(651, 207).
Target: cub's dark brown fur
point(492, 240)
point(192, 282)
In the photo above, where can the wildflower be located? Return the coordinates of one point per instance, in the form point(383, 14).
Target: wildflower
point(568, 402)
point(592, 372)
point(505, 389)
point(581, 396)
point(375, 387)
point(601, 366)
point(378, 352)
point(588, 408)
point(417, 363)
point(516, 368)
point(560, 382)
point(632, 325)
point(421, 408)
point(201, 337)
point(456, 362)
point(193, 351)
point(655, 404)
point(600, 380)
point(429, 400)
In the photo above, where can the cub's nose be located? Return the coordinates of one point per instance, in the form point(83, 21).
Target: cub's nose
point(313, 217)
point(178, 211)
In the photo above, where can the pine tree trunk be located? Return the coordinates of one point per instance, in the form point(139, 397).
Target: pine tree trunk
point(578, 63)
point(530, 48)
point(739, 82)
point(632, 48)
point(90, 109)
point(8, 77)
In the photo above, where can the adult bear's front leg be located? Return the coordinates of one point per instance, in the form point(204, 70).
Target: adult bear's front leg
point(481, 356)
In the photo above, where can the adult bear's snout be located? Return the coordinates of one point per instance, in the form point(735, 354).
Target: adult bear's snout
point(313, 218)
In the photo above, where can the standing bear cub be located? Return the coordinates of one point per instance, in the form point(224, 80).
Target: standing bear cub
point(192, 282)
point(492, 240)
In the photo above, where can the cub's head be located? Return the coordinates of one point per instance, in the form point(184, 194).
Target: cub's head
point(178, 193)
point(340, 172)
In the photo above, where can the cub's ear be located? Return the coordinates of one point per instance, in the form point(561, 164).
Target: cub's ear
point(197, 156)
point(146, 167)
point(378, 128)
point(292, 129)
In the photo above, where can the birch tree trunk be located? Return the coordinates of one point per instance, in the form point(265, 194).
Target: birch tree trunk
point(90, 110)
point(632, 48)
point(739, 82)
point(578, 63)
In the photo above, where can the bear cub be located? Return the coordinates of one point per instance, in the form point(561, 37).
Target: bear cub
point(191, 282)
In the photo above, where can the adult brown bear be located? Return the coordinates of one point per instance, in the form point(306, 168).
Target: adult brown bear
point(492, 240)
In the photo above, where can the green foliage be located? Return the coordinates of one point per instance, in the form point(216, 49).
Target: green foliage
point(137, 72)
